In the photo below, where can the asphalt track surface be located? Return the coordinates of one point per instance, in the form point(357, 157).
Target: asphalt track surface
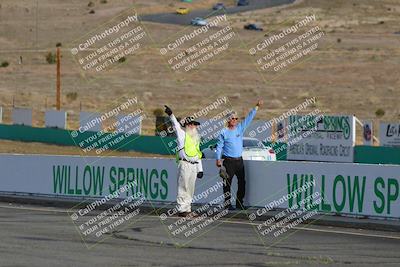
point(173, 18)
point(46, 236)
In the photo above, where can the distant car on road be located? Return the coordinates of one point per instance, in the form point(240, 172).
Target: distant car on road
point(252, 27)
point(253, 149)
point(218, 6)
point(243, 3)
point(198, 22)
point(182, 11)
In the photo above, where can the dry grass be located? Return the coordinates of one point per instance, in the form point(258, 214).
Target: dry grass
point(39, 148)
point(357, 75)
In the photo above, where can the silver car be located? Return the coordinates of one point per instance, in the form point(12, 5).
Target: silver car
point(253, 149)
point(198, 22)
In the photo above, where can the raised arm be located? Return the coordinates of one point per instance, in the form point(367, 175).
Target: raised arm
point(180, 133)
point(245, 123)
point(177, 125)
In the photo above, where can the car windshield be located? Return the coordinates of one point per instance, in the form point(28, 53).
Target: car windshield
point(252, 143)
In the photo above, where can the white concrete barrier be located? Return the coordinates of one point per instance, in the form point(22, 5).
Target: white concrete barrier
point(22, 116)
point(55, 119)
point(346, 188)
point(90, 121)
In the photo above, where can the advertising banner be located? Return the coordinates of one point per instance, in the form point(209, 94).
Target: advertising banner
point(80, 176)
point(389, 134)
point(321, 138)
point(345, 188)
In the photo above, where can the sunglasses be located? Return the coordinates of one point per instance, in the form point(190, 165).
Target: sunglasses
point(234, 119)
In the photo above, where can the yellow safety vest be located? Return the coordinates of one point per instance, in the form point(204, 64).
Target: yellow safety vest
point(191, 148)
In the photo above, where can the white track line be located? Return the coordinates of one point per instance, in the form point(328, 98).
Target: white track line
point(321, 230)
point(231, 222)
point(33, 209)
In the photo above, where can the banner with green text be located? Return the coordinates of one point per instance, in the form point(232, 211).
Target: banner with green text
point(345, 188)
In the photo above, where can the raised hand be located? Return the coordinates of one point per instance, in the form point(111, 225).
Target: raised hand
point(168, 110)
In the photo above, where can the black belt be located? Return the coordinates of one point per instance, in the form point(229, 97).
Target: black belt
point(231, 158)
point(189, 161)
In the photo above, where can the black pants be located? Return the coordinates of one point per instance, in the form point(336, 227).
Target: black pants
point(234, 167)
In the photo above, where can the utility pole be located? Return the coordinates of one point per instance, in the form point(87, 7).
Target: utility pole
point(58, 85)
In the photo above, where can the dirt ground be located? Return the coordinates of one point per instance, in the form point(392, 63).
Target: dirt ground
point(355, 70)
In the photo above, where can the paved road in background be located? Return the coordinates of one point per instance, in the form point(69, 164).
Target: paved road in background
point(44, 236)
point(173, 18)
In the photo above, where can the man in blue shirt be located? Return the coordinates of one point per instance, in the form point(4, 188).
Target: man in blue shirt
point(230, 148)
